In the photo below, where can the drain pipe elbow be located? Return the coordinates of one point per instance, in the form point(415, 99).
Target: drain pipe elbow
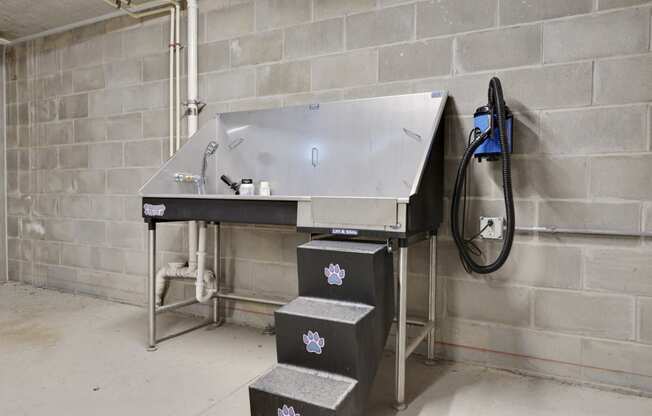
point(203, 291)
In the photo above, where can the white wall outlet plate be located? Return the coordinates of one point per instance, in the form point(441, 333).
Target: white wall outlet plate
point(493, 227)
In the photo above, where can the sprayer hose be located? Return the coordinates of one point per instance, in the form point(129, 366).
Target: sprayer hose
point(497, 104)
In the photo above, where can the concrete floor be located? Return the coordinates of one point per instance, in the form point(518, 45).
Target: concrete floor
point(71, 355)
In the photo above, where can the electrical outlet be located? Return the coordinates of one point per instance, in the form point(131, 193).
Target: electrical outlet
point(492, 227)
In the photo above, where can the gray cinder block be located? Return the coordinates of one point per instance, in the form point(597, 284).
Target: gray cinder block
point(314, 38)
point(124, 127)
point(503, 48)
point(594, 130)
point(546, 178)
point(87, 53)
point(568, 85)
point(332, 8)
point(230, 22)
point(87, 79)
point(156, 67)
point(442, 17)
point(90, 130)
point(619, 271)
point(421, 59)
point(542, 266)
point(256, 49)
point(614, 216)
point(128, 180)
point(144, 40)
point(616, 33)
point(71, 157)
point(283, 78)
point(107, 207)
point(481, 302)
point(389, 25)
point(74, 206)
point(123, 72)
point(623, 80)
point(271, 14)
point(228, 85)
point(626, 177)
point(345, 70)
point(105, 155)
point(522, 11)
point(645, 320)
point(212, 56)
point(73, 106)
point(598, 315)
point(143, 153)
point(611, 4)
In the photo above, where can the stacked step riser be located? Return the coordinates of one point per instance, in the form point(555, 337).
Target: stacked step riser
point(368, 276)
point(337, 327)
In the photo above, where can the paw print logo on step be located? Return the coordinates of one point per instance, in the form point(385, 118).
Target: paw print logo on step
point(287, 411)
point(335, 274)
point(314, 343)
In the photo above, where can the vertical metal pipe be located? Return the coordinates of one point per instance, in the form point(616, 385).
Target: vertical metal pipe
point(151, 286)
point(401, 328)
point(432, 297)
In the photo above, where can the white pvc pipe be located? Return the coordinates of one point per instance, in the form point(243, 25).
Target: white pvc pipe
point(191, 46)
point(203, 293)
point(178, 72)
point(196, 237)
point(192, 66)
point(175, 270)
point(172, 48)
point(192, 245)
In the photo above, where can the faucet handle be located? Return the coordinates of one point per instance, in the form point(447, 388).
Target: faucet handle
point(181, 177)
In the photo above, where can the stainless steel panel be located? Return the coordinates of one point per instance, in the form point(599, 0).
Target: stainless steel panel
point(373, 147)
point(352, 211)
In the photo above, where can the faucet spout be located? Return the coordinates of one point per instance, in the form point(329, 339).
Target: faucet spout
point(210, 151)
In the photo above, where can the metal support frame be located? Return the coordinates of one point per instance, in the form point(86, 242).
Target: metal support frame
point(153, 310)
point(151, 286)
point(404, 348)
point(401, 328)
point(215, 319)
point(432, 298)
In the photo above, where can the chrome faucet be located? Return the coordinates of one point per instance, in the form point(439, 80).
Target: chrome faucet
point(210, 151)
point(199, 180)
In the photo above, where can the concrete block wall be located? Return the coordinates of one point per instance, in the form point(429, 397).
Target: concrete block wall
point(87, 124)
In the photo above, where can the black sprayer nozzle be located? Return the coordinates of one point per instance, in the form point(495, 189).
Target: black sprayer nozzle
point(233, 185)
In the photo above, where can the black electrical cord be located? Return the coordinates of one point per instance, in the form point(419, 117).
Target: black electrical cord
point(498, 114)
point(469, 243)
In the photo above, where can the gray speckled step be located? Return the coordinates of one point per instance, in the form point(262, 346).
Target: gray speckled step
point(330, 336)
point(307, 392)
point(326, 309)
point(344, 246)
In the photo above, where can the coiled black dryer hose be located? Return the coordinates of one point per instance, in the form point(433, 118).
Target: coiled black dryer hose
point(498, 114)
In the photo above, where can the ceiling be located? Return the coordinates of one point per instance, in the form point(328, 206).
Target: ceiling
point(20, 18)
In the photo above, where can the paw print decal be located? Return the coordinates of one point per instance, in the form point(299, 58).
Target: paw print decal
point(334, 274)
point(287, 411)
point(314, 343)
